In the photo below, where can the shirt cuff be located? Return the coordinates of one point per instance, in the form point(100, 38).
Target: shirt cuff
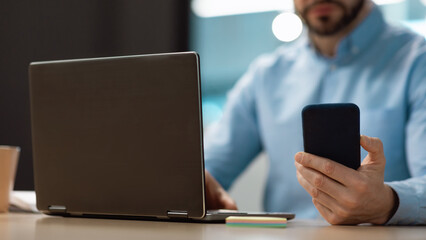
point(408, 212)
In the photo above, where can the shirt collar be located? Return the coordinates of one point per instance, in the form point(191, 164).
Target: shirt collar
point(363, 35)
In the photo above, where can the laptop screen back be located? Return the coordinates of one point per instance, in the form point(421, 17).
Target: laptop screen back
point(118, 136)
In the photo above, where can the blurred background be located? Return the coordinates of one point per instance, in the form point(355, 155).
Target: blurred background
point(228, 35)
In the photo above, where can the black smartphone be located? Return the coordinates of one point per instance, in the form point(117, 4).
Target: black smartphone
point(332, 131)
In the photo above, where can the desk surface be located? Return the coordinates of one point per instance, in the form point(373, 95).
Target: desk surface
point(38, 226)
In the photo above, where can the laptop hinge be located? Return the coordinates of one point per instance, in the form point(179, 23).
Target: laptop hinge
point(57, 209)
point(177, 214)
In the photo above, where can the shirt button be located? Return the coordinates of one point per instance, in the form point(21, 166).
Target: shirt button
point(355, 50)
point(332, 67)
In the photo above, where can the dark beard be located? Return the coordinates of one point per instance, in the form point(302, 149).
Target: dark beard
point(329, 28)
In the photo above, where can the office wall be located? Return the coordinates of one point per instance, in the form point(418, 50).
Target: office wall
point(34, 30)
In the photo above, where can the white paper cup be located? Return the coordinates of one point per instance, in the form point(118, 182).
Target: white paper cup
point(8, 163)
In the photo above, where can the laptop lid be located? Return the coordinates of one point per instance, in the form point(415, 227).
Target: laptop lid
point(118, 136)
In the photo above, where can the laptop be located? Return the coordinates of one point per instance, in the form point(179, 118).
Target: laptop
point(121, 137)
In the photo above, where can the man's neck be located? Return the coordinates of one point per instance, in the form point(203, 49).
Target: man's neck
point(327, 45)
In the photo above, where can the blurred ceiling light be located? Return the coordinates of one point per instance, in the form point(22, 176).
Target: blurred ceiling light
point(217, 8)
point(424, 2)
point(287, 27)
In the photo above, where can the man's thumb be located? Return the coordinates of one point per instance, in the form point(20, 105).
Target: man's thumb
point(374, 147)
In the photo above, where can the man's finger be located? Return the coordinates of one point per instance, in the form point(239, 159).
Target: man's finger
point(321, 182)
point(317, 194)
point(216, 196)
point(325, 212)
point(334, 170)
point(307, 186)
point(227, 202)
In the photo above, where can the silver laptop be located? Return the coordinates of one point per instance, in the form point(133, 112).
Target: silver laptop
point(121, 137)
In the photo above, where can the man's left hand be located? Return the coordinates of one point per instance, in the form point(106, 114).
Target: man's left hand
point(346, 196)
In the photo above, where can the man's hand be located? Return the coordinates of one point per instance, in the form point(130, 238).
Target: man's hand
point(217, 197)
point(343, 195)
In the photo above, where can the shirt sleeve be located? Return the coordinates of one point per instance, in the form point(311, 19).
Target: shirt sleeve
point(232, 143)
point(412, 202)
point(412, 192)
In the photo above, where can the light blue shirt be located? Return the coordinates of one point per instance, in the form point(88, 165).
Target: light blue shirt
point(379, 67)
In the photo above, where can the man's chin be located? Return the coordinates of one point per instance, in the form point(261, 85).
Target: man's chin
point(328, 29)
point(333, 23)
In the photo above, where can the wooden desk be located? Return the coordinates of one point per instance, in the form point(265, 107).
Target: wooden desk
point(41, 227)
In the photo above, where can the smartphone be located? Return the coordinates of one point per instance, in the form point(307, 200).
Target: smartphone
point(332, 131)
